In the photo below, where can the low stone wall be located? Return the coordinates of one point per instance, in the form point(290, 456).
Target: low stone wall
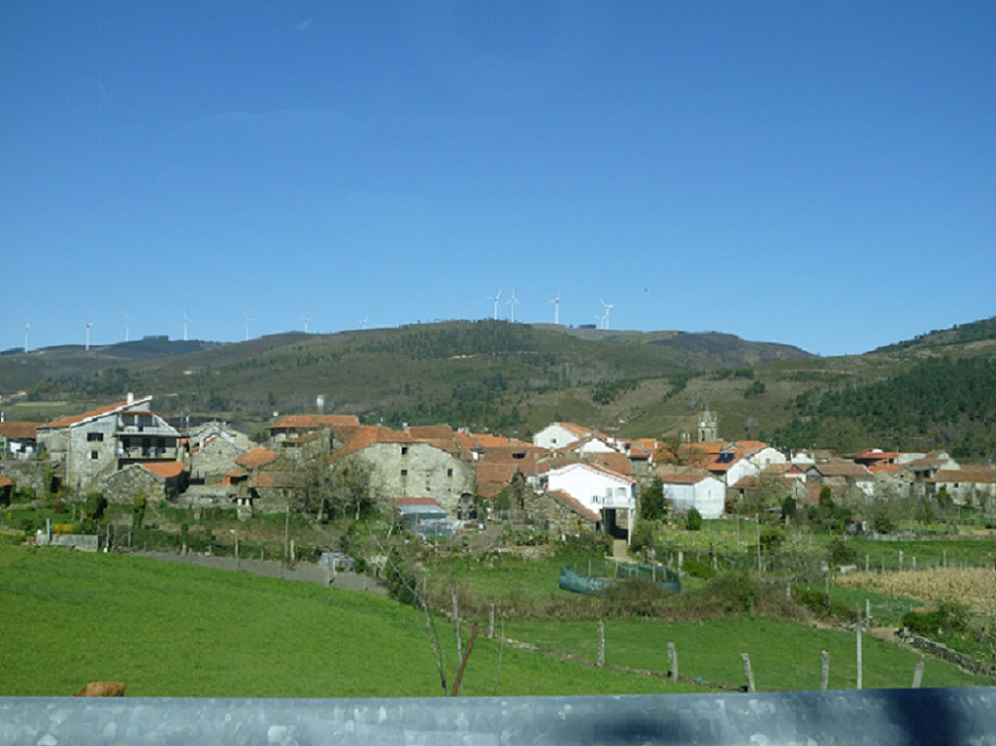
point(936, 649)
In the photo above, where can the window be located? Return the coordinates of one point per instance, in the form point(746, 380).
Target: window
point(404, 450)
point(404, 473)
point(94, 455)
point(449, 472)
point(94, 437)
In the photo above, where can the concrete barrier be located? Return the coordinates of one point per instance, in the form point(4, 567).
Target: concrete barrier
point(928, 717)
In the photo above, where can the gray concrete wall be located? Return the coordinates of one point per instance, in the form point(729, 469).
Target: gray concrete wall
point(927, 717)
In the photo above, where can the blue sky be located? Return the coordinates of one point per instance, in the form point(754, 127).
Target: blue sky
point(820, 174)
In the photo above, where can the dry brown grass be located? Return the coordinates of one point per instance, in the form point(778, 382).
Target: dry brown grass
point(974, 587)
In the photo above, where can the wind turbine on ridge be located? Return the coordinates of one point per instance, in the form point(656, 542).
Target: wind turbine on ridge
point(556, 309)
point(306, 319)
point(186, 321)
point(495, 298)
point(89, 326)
point(608, 307)
point(27, 330)
point(246, 317)
point(513, 302)
point(128, 321)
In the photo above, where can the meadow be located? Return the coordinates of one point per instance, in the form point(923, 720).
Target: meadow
point(171, 630)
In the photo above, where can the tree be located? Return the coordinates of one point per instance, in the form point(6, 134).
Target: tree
point(653, 507)
point(693, 521)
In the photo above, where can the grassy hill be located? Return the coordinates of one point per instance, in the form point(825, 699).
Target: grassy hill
point(171, 630)
point(515, 378)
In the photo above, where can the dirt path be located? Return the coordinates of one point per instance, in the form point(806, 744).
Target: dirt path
point(300, 571)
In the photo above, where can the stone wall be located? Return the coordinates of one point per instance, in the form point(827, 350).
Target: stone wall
point(936, 649)
point(122, 487)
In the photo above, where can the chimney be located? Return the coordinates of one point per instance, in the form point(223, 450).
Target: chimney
point(131, 398)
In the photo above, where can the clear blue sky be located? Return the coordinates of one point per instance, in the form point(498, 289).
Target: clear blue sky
point(820, 174)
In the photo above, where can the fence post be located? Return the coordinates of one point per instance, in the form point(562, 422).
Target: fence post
point(900, 559)
point(857, 627)
point(491, 621)
point(867, 562)
point(918, 672)
point(825, 671)
point(672, 661)
point(748, 674)
point(601, 642)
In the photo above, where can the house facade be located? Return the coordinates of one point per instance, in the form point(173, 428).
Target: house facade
point(401, 466)
point(599, 491)
point(95, 444)
point(695, 488)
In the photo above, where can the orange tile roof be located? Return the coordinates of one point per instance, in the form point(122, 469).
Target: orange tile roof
point(5, 481)
point(431, 432)
point(616, 462)
point(315, 421)
point(256, 458)
point(415, 501)
point(164, 469)
point(492, 478)
point(19, 430)
point(966, 474)
point(75, 419)
point(691, 476)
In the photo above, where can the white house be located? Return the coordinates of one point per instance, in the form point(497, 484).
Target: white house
point(598, 490)
point(694, 489)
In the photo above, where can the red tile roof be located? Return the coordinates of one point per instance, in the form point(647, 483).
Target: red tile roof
point(315, 421)
point(691, 476)
point(19, 430)
point(164, 469)
point(5, 481)
point(256, 458)
point(965, 475)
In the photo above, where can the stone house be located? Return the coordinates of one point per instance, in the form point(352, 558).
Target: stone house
point(310, 434)
point(402, 466)
point(159, 480)
point(842, 474)
point(967, 486)
point(95, 444)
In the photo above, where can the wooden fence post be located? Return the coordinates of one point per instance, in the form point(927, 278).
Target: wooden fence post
point(825, 671)
point(491, 621)
point(857, 627)
point(672, 661)
point(601, 642)
point(748, 674)
point(918, 673)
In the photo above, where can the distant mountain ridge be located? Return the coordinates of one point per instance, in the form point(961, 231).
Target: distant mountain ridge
point(509, 378)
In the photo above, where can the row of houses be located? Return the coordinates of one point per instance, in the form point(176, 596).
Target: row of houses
point(569, 477)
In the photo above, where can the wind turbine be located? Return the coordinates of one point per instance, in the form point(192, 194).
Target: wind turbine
point(495, 298)
point(246, 316)
point(364, 321)
point(608, 307)
point(128, 321)
point(27, 330)
point(513, 302)
point(186, 322)
point(306, 319)
point(89, 326)
point(556, 309)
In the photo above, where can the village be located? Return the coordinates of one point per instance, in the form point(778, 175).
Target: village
point(569, 480)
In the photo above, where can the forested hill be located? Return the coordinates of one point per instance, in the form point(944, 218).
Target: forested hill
point(936, 401)
point(937, 391)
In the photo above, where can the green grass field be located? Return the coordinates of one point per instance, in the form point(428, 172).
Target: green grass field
point(171, 630)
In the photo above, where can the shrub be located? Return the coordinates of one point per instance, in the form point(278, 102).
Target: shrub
point(737, 591)
point(947, 617)
point(644, 536)
point(841, 553)
point(693, 521)
point(697, 568)
point(823, 605)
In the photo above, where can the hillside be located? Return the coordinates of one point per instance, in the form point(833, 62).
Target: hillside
point(515, 378)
